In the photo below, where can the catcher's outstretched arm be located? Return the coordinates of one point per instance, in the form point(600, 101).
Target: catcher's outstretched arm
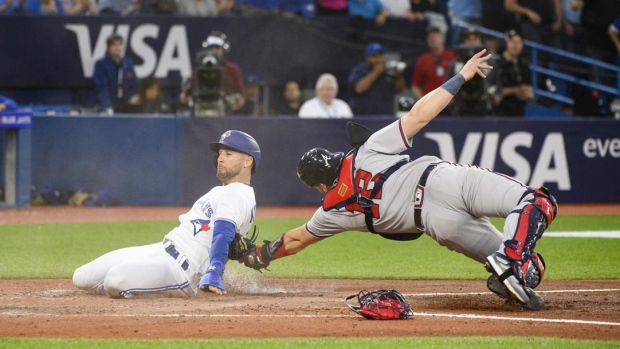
point(429, 106)
point(297, 239)
point(286, 244)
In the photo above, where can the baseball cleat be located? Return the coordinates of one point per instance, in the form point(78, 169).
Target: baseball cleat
point(504, 270)
point(100, 289)
point(495, 286)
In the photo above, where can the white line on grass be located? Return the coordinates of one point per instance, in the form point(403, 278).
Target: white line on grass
point(609, 234)
point(448, 315)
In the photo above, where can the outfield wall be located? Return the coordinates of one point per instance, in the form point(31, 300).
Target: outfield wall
point(166, 160)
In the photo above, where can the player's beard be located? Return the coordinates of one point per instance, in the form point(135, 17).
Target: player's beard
point(226, 174)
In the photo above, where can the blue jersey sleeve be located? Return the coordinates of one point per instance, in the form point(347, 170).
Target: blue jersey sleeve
point(223, 235)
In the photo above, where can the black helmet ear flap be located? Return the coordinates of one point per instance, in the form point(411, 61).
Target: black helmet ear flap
point(357, 134)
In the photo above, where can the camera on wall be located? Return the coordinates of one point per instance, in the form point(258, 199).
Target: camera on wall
point(209, 84)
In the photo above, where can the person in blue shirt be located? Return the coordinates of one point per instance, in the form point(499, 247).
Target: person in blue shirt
point(115, 79)
point(10, 7)
point(7, 104)
point(373, 85)
point(293, 8)
point(43, 7)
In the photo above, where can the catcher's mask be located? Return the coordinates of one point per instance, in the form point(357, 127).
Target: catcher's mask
point(240, 141)
point(381, 305)
point(318, 166)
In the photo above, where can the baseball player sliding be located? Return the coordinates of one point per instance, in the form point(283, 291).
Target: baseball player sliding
point(374, 188)
point(193, 254)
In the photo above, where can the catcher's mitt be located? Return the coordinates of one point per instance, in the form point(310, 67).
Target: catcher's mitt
point(381, 305)
point(241, 244)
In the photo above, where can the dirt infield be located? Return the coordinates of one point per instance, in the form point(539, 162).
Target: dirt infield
point(260, 307)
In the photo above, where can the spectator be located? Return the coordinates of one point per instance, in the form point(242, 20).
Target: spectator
point(150, 99)
point(7, 103)
point(50, 7)
point(294, 8)
point(479, 96)
point(614, 35)
point(10, 7)
point(198, 7)
point(572, 30)
point(260, 7)
point(253, 103)
point(431, 68)
point(291, 99)
point(225, 7)
point(596, 16)
point(229, 96)
point(332, 8)
point(325, 105)
point(80, 7)
point(495, 17)
point(468, 11)
point(373, 86)
point(541, 20)
point(40, 7)
point(431, 11)
point(118, 7)
point(397, 8)
point(114, 78)
point(361, 11)
point(515, 77)
point(158, 7)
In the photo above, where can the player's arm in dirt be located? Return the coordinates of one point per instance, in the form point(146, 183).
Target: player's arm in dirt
point(287, 244)
point(429, 106)
point(223, 235)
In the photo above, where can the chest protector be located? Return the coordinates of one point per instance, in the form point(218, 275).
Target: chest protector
point(345, 194)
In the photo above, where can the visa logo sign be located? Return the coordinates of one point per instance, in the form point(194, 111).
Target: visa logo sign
point(174, 56)
point(550, 167)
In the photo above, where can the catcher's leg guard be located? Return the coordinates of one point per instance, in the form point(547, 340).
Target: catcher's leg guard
point(535, 212)
point(519, 268)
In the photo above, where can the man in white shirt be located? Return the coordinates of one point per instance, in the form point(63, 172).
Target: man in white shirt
point(325, 105)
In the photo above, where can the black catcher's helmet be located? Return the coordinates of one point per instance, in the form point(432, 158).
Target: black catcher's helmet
point(318, 166)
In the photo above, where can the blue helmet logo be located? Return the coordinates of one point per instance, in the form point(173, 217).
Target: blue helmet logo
point(240, 141)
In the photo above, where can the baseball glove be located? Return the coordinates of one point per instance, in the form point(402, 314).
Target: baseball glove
point(255, 258)
point(381, 305)
point(241, 245)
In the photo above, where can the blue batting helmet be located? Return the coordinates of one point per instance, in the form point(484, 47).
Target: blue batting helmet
point(240, 141)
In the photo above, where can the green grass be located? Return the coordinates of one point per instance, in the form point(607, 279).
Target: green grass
point(56, 250)
point(426, 343)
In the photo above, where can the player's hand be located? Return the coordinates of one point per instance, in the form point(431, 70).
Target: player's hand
point(212, 281)
point(215, 290)
point(378, 67)
point(475, 65)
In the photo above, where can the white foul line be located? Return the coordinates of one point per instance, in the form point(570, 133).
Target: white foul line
point(493, 317)
point(448, 315)
point(609, 234)
point(484, 293)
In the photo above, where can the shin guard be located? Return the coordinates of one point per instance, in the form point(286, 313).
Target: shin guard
point(538, 209)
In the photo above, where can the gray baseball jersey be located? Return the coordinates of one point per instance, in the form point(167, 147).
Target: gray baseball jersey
point(455, 202)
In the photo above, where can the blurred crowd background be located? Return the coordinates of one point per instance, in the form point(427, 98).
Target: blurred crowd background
point(550, 57)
